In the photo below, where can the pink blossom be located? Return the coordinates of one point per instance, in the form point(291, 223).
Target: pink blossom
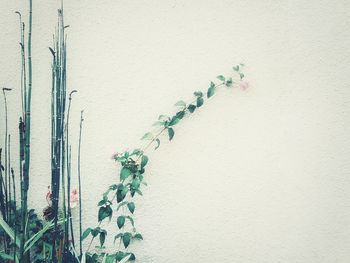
point(74, 198)
point(115, 156)
point(243, 85)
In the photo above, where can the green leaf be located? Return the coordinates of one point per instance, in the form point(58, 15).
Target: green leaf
point(124, 173)
point(120, 221)
point(236, 68)
point(144, 161)
point(9, 231)
point(33, 239)
point(211, 90)
point(200, 101)
point(241, 75)
point(158, 144)
point(103, 234)
point(221, 77)
point(135, 184)
point(117, 236)
point(126, 239)
point(86, 233)
point(95, 231)
point(121, 204)
point(104, 212)
point(174, 121)
point(147, 136)
point(138, 236)
point(191, 108)
point(229, 82)
point(181, 103)
point(131, 207)
point(180, 114)
point(131, 220)
point(171, 133)
point(198, 94)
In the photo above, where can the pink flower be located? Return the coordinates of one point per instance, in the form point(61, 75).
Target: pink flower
point(243, 85)
point(115, 156)
point(74, 198)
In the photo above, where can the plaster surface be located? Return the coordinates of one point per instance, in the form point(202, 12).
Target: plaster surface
point(258, 176)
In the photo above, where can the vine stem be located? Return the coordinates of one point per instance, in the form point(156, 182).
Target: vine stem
point(164, 128)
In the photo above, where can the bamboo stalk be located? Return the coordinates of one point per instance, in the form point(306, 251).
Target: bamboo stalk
point(79, 184)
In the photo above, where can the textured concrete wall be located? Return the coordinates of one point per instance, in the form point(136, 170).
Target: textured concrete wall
point(255, 176)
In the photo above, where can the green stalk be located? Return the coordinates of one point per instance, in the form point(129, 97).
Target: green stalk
point(15, 218)
point(79, 184)
point(6, 154)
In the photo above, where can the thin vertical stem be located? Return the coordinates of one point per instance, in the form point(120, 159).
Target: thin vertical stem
point(79, 183)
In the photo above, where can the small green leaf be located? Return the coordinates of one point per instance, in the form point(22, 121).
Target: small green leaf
point(120, 221)
point(144, 161)
point(198, 94)
point(191, 108)
point(86, 233)
point(171, 133)
point(180, 114)
point(95, 231)
point(147, 136)
point(181, 103)
point(241, 75)
point(104, 211)
point(158, 144)
point(211, 91)
point(200, 101)
point(124, 173)
point(131, 207)
point(221, 77)
point(236, 68)
point(131, 220)
point(126, 239)
point(103, 234)
point(138, 236)
point(229, 82)
point(118, 236)
point(174, 121)
point(121, 204)
point(135, 184)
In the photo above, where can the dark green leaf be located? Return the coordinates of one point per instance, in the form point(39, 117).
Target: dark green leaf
point(102, 237)
point(211, 90)
point(200, 101)
point(126, 239)
point(144, 161)
point(86, 233)
point(241, 75)
point(180, 114)
point(124, 173)
point(131, 207)
point(138, 236)
point(229, 82)
point(120, 221)
point(95, 231)
point(171, 133)
point(191, 108)
point(158, 144)
point(174, 121)
point(104, 211)
point(236, 68)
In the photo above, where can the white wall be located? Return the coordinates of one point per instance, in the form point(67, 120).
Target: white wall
point(255, 176)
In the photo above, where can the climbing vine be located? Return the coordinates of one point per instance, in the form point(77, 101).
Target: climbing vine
point(119, 197)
